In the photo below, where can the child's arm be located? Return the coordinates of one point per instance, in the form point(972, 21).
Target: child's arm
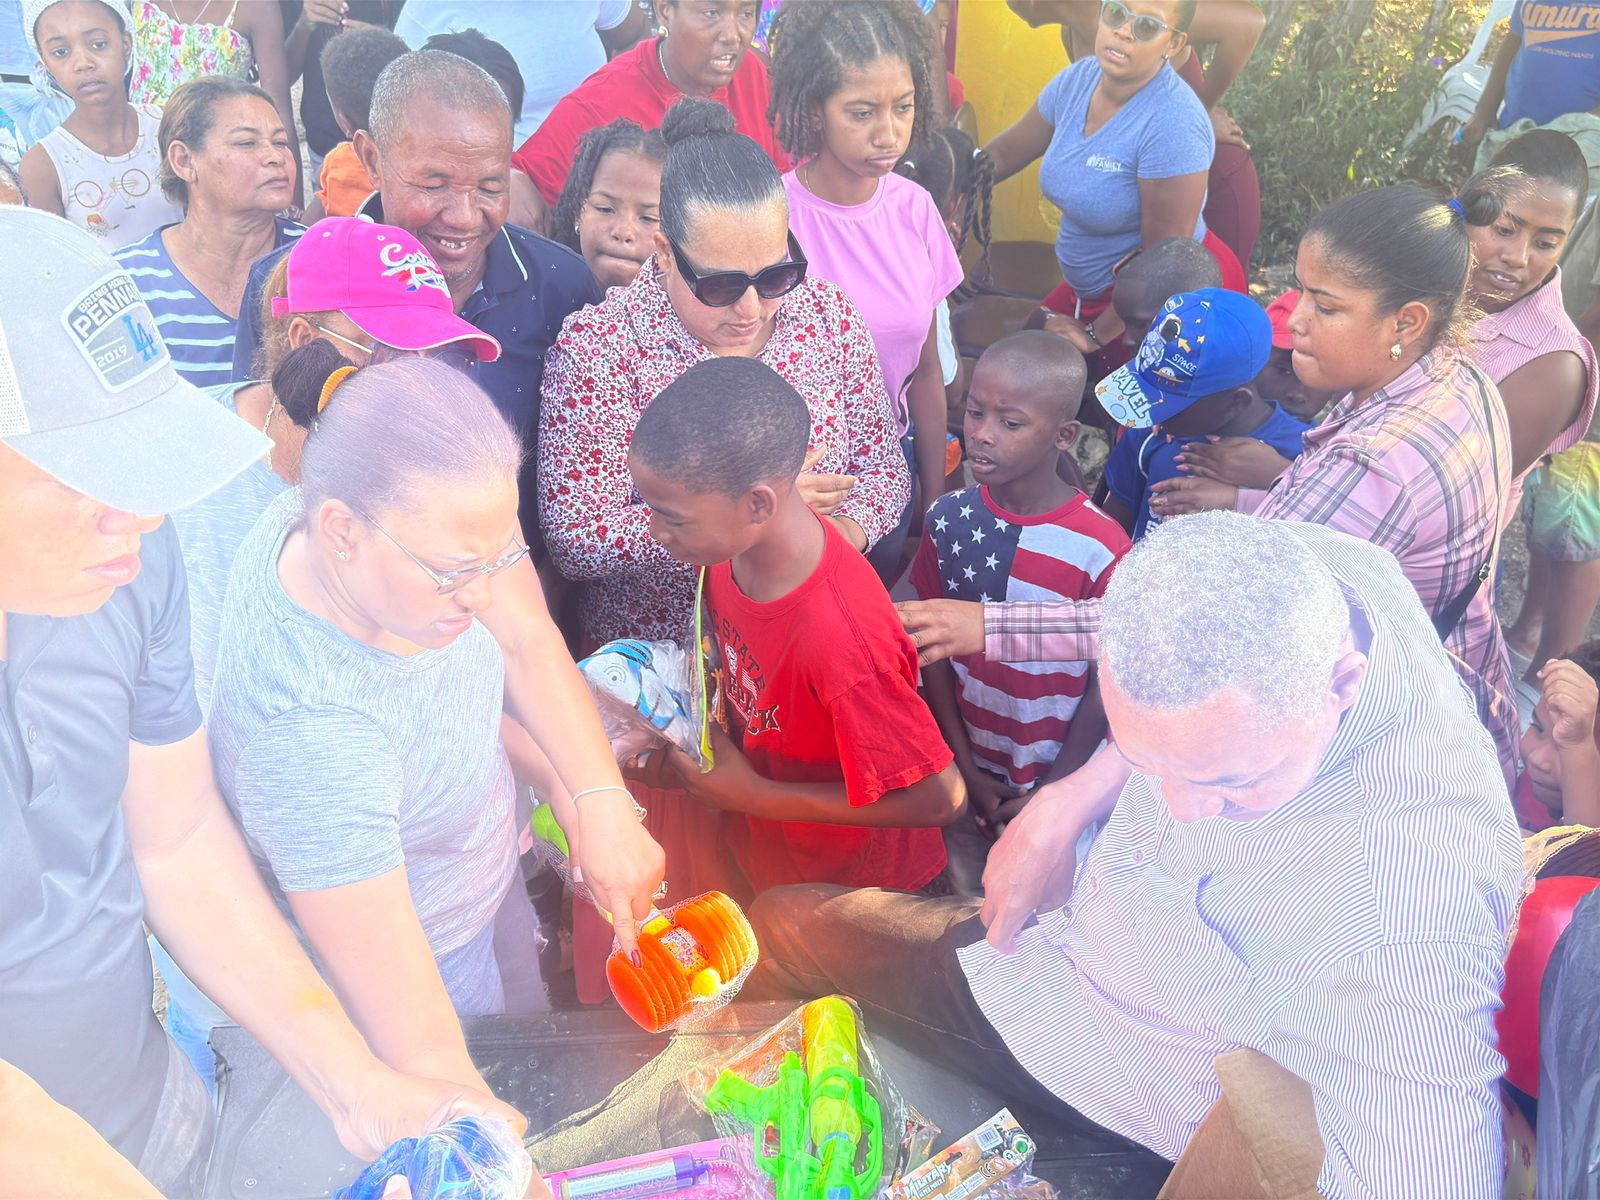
point(734, 786)
point(1084, 735)
point(985, 792)
point(1120, 513)
point(925, 400)
point(1571, 695)
point(40, 179)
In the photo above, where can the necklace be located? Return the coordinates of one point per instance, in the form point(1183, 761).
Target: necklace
point(272, 410)
point(661, 59)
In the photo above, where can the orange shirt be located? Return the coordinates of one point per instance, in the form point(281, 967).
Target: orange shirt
point(344, 185)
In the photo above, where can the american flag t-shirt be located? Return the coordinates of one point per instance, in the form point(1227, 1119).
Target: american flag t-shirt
point(1017, 715)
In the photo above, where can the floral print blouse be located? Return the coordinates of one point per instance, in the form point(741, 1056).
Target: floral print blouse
point(168, 53)
point(610, 361)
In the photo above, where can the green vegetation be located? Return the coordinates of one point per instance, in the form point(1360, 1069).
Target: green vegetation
point(1331, 93)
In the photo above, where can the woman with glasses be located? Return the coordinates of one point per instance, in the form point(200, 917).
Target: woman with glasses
point(1125, 146)
point(727, 277)
point(355, 724)
point(333, 290)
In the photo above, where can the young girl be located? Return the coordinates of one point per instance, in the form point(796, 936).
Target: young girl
point(610, 206)
point(960, 178)
point(850, 90)
point(99, 167)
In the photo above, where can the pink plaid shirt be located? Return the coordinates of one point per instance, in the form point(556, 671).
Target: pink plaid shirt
point(1421, 469)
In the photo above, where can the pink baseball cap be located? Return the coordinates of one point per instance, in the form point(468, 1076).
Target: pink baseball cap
point(1279, 312)
point(381, 278)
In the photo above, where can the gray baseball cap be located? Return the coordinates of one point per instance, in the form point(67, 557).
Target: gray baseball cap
point(88, 391)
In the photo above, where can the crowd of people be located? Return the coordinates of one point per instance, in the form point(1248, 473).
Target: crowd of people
point(327, 451)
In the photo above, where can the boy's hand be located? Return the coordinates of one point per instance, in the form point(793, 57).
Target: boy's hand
point(1242, 461)
point(1179, 497)
point(1072, 330)
point(729, 782)
point(988, 795)
point(1571, 696)
point(940, 628)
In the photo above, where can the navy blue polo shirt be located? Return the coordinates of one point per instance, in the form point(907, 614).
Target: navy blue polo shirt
point(75, 980)
point(530, 286)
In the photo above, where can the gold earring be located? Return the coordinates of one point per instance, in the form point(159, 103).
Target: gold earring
point(1395, 352)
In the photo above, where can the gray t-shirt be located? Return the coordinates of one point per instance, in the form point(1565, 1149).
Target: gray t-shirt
point(210, 532)
point(343, 761)
point(75, 979)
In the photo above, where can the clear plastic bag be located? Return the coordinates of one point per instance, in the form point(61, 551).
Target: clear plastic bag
point(694, 956)
point(471, 1158)
point(811, 1107)
point(648, 694)
point(994, 1160)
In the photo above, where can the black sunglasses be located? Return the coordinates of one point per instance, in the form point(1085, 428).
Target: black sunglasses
point(722, 288)
point(1114, 15)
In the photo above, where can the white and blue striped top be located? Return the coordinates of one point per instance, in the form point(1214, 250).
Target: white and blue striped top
point(197, 333)
point(1355, 935)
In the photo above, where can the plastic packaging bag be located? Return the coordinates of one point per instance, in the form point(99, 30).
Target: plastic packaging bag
point(993, 1160)
point(471, 1158)
point(700, 1171)
point(810, 1106)
point(648, 694)
point(693, 957)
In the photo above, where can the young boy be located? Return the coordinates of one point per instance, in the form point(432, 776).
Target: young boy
point(351, 64)
point(1560, 780)
point(1277, 381)
point(99, 167)
point(1021, 534)
point(1193, 377)
point(1152, 277)
point(833, 760)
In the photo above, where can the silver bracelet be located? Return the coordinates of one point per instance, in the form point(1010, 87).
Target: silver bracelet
point(638, 809)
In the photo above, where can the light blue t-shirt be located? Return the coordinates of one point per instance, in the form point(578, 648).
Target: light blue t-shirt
point(1557, 69)
point(209, 531)
point(1162, 131)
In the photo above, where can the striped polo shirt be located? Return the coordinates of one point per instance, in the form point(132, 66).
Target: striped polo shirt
point(1354, 935)
point(198, 334)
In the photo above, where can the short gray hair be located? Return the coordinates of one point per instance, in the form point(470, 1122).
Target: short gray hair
point(1221, 600)
point(445, 78)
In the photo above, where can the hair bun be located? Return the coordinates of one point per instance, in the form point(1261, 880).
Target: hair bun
point(692, 117)
point(301, 376)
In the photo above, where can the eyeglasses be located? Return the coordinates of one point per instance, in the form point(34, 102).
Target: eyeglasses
point(1114, 15)
point(722, 288)
point(452, 354)
point(450, 582)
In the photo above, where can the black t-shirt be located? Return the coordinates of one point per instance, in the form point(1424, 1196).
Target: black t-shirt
point(75, 981)
point(316, 115)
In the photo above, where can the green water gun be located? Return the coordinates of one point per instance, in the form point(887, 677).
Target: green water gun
point(820, 1112)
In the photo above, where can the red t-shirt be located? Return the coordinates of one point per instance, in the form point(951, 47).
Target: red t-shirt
point(633, 85)
point(821, 686)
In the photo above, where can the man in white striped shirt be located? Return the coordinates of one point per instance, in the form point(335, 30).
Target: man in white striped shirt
point(1310, 855)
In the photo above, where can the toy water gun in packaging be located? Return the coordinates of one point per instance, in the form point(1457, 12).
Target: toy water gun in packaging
point(693, 957)
point(815, 1122)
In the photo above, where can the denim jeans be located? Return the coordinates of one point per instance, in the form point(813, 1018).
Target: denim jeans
point(191, 1016)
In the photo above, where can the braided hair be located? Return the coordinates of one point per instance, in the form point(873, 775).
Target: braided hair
point(952, 169)
point(816, 41)
point(621, 134)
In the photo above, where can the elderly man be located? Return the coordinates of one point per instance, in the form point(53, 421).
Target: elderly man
point(1310, 857)
point(439, 151)
point(110, 819)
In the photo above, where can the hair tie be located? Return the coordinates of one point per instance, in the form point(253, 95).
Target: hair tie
point(1455, 206)
point(335, 378)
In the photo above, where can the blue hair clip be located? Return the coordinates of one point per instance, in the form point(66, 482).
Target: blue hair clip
point(1456, 206)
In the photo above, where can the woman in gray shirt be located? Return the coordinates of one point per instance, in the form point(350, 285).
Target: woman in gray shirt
point(355, 718)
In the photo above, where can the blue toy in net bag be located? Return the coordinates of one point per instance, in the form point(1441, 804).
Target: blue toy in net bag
point(471, 1158)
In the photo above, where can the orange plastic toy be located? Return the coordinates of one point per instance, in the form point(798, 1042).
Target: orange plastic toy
point(701, 948)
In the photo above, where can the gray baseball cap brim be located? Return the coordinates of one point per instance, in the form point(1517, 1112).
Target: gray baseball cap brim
point(174, 449)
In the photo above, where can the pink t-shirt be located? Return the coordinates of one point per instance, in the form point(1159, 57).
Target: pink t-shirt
point(892, 257)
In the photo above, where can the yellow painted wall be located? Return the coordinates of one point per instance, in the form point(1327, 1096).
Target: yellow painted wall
point(1004, 66)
